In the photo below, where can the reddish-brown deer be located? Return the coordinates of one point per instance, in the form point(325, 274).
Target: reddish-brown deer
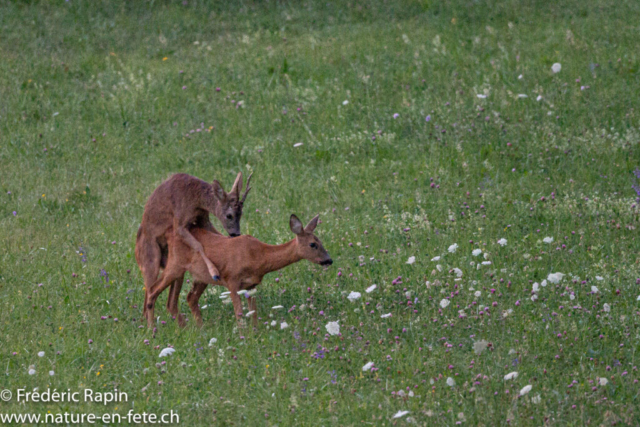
point(181, 203)
point(243, 262)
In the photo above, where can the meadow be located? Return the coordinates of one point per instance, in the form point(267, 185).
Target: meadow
point(477, 161)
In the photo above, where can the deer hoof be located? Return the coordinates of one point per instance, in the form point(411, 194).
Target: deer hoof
point(215, 278)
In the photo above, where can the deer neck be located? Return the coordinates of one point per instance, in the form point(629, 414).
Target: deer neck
point(276, 257)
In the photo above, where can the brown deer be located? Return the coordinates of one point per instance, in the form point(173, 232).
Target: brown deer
point(242, 261)
point(181, 203)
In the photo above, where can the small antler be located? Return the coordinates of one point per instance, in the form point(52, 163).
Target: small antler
point(244, 196)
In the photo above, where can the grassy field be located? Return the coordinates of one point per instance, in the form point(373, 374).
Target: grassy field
point(430, 131)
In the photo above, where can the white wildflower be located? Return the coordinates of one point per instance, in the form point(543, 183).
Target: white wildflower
point(367, 367)
point(51, 373)
point(555, 277)
point(435, 259)
point(599, 278)
point(603, 381)
point(502, 242)
point(41, 354)
point(481, 96)
point(276, 307)
point(476, 252)
point(594, 289)
point(384, 316)
point(535, 287)
point(548, 240)
point(453, 248)
point(411, 260)
point(212, 341)
point(544, 283)
point(298, 144)
point(284, 325)
point(556, 67)
point(167, 352)
point(400, 414)
point(539, 98)
point(354, 296)
point(371, 289)
point(536, 399)
point(250, 313)
point(510, 376)
point(32, 371)
point(606, 307)
point(444, 303)
point(451, 382)
point(526, 389)
point(477, 294)
point(439, 267)
point(345, 102)
point(486, 262)
point(457, 272)
point(480, 346)
point(333, 328)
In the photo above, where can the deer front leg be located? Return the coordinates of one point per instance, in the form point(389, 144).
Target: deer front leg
point(193, 243)
point(192, 299)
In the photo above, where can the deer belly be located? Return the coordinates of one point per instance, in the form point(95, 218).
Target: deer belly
point(251, 283)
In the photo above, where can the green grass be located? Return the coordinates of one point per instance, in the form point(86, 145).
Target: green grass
point(98, 102)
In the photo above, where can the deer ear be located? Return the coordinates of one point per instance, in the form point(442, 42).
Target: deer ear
point(237, 185)
point(312, 224)
point(218, 191)
point(295, 225)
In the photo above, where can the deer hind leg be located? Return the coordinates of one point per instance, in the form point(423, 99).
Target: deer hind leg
point(192, 299)
point(148, 255)
point(173, 301)
point(174, 292)
point(167, 278)
point(194, 244)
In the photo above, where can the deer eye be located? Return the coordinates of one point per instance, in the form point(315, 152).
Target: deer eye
point(314, 246)
point(229, 216)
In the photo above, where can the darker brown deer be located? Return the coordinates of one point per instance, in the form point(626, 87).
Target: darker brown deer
point(243, 262)
point(182, 203)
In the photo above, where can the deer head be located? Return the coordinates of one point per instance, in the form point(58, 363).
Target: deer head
point(309, 247)
point(229, 207)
